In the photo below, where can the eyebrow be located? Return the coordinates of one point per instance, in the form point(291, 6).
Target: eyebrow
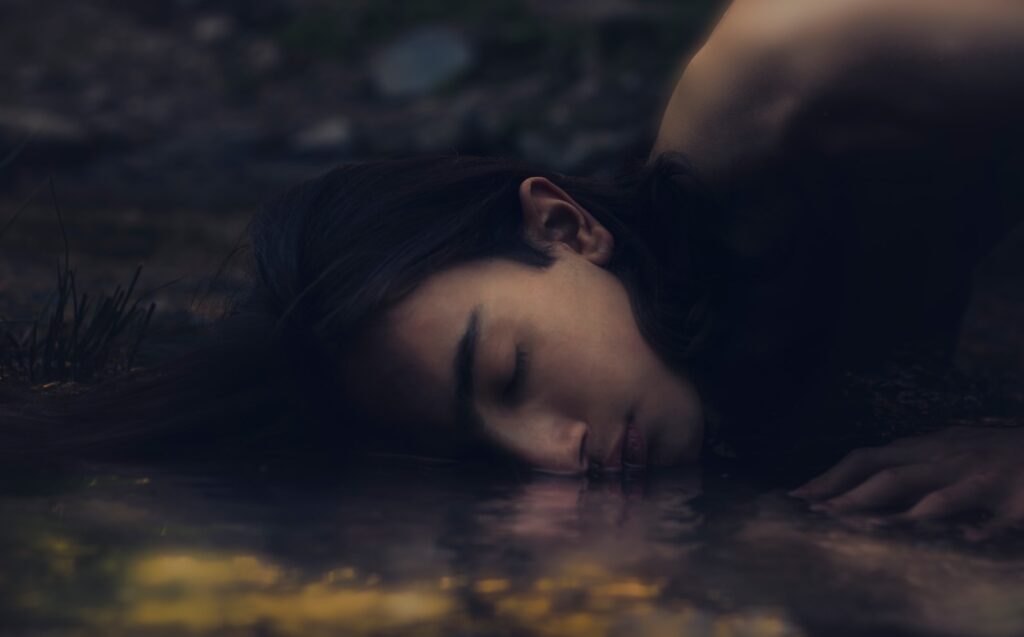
point(467, 420)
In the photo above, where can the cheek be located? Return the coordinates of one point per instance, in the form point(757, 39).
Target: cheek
point(587, 370)
point(585, 343)
point(542, 440)
point(604, 338)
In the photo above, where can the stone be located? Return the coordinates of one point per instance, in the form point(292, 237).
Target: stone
point(583, 149)
point(420, 62)
point(264, 56)
point(43, 126)
point(213, 28)
point(331, 135)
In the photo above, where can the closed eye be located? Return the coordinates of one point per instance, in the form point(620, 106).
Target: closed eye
point(513, 392)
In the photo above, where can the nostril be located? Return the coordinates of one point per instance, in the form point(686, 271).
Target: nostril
point(583, 451)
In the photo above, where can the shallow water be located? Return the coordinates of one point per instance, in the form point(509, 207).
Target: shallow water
point(420, 550)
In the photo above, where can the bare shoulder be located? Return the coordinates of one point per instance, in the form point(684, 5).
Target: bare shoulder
point(747, 87)
point(735, 93)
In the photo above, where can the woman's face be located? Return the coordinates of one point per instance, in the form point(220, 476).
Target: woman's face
point(546, 363)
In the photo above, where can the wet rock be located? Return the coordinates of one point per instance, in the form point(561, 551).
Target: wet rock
point(420, 62)
point(263, 56)
point(40, 138)
point(42, 126)
point(193, 88)
point(582, 151)
point(213, 28)
point(332, 135)
point(596, 10)
point(96, 96)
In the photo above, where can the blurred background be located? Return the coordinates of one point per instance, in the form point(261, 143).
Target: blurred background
point(158, 127)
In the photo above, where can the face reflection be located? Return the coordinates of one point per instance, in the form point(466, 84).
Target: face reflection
point(547, 363)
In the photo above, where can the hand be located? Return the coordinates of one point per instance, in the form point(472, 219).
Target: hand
point(930, 477)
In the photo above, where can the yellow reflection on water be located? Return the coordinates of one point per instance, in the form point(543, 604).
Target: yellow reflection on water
point(202, 572)
point(295, 612)
point(495, 585)
point(206, 594)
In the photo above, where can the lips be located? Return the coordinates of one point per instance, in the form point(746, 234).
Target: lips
point(630, 450)
point(634, 447)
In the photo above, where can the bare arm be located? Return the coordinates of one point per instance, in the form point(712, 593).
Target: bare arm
point(911, 115)
point(888, 130)
point(839, 76)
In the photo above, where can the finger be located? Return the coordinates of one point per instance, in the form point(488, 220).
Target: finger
point(1010, 517)
point(857, 466)
point(965, 495)
point(993, 529)
point(864, 523)
point(889, 488)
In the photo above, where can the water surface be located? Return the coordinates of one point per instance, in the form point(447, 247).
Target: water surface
point(422, 550)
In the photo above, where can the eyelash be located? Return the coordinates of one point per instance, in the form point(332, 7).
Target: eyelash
point(515, 386)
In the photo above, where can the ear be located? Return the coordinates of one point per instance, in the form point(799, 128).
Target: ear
point(550, 216)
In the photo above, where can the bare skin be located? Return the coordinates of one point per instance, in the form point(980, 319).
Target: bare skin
point(560, 371)
point(926, 75)
point(954, 471)
point(932, 80)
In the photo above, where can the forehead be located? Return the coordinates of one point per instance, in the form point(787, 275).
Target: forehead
point(440, 305)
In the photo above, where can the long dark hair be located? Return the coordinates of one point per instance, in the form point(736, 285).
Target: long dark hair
point(329, 256)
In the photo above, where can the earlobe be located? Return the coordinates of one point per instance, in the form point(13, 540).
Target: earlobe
point(551, 216)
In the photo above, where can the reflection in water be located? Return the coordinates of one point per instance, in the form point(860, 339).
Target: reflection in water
point(439, 555)
point(199, 595)
point(207, 593)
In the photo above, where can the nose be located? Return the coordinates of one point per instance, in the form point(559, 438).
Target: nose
point(563, 450)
